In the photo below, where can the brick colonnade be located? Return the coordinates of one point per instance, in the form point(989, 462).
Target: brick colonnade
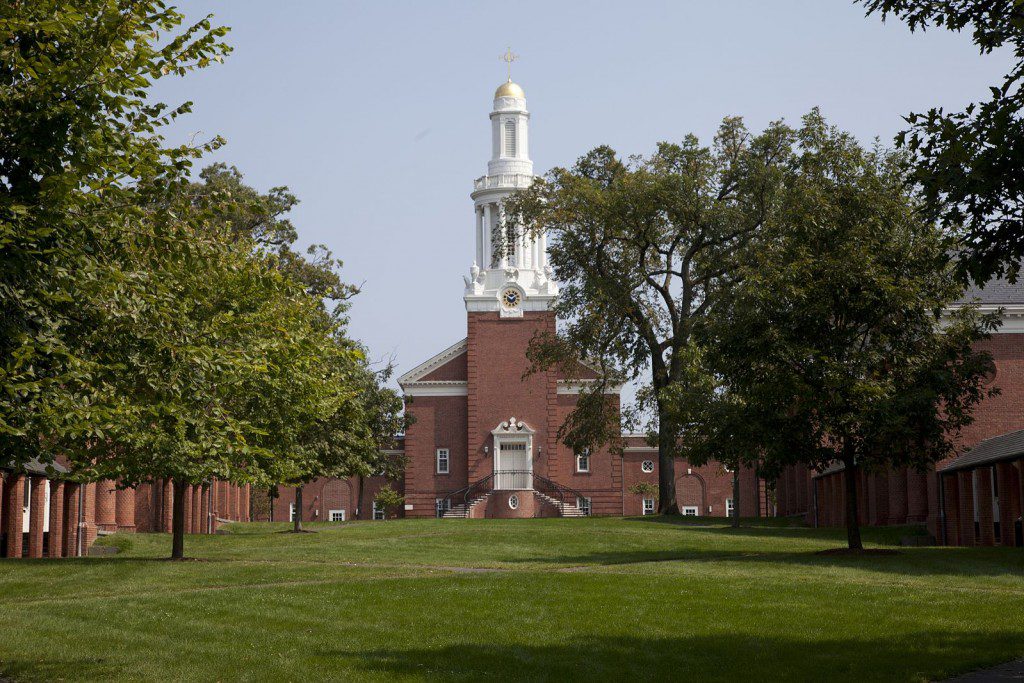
point(40, 517)
point(975, 512)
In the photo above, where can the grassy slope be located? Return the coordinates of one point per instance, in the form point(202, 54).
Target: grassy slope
point(537, 599)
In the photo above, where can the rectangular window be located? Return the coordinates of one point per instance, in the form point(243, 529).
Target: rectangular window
point(336, 515)
point(441, 506)
point(291, 512)
point(690, 510)
point(442, 461)
point(729, 509)
point(648, 506)
point(584, 505)
point(378, 511)
point(583, 461)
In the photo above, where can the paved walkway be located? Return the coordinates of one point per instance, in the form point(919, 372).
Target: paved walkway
point(1011, 671)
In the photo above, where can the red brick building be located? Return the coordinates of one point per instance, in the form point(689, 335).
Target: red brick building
point(974, 498)
point(484, 441)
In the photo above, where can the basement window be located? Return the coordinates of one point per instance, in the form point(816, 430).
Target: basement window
point(648, 506)
point(584, 505)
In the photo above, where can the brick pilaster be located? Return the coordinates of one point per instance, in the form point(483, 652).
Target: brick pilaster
point(917, 496)
point(36, 515)
point(204, 509)
point(188, 509)
point(15, 517)
point(106, 505)
point(1009, 504)
point(167, 506)
point(965, 479)
point(986, 525)
point(951, 500)
point(55, 541)
point(88, 522)
point(72, 494)
point(898, 496)
point(126, 505)
point(195, 519)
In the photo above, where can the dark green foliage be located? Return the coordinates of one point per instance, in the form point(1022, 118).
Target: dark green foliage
point(970, 163)
point(837, 342)
point(643, 249)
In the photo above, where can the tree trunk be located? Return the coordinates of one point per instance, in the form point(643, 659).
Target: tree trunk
point(178, 521)
point(850, 477)
point(667, 504)
point(298, 509)
point(359, 497)
point(736, 497)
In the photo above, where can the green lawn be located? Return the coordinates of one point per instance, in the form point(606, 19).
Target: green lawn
point(556, 599)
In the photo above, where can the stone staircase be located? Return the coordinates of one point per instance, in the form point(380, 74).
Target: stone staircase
point(564, 509)
point(465, 510)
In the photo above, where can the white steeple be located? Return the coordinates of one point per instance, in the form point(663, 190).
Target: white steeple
point(518, 277)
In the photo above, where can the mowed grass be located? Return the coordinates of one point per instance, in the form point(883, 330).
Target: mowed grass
point(555, 599)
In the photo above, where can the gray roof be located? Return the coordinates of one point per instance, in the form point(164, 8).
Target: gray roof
point(1009, 446)
point(995, 292)
point(36, 466)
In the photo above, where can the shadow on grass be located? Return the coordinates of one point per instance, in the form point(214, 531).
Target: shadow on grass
point(923, 655)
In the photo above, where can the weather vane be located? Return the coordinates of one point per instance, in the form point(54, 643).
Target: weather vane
point(508, 58)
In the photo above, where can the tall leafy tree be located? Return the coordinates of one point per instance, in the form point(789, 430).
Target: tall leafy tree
point(836, 343)
point(80, 154)
point(970, 163)
point(643, 248)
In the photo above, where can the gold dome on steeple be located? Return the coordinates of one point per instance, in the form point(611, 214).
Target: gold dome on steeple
point(509, 89)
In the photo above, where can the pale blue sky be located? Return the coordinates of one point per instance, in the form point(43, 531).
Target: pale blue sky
point(375, 113)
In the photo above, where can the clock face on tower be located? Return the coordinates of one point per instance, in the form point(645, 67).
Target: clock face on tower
point(511, 298)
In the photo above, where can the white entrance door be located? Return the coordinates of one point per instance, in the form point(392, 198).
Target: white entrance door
point(513, 466)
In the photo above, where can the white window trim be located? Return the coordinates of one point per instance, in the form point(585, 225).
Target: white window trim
point(691, 511)
point(583, 455)
point(729, 507)
point(291, 512)
point(378, 512)
point(330, 515)
point(643, 466)
point(447, 461)
point(648, 506)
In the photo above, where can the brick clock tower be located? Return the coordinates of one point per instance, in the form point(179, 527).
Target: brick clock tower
point(484, 441)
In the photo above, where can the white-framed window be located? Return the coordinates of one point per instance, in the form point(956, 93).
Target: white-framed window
point(441, 506)
point(584, 505)
point(647, 466)
point(335, 515)
point(510, 138)
point(690, 510)
point(730, 509)
point(513, 501)
point(291, 512)
point(583, 461)
point(648, 506)
point(378, 511)
point(443, 460)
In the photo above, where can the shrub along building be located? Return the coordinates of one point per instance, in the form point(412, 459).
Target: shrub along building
point(976, 498)
point(43, 514)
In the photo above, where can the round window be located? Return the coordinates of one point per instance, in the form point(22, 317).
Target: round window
point(647, 465)
point(513, 501)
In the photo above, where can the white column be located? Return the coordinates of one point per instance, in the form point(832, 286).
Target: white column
point(543, 242)
point(478, 215)
point(487, 237)
point(503, 262)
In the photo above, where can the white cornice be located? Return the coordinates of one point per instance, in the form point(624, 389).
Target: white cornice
point(436, 389)
point(440, 359)
point(1012, 316)
point(575, 386)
